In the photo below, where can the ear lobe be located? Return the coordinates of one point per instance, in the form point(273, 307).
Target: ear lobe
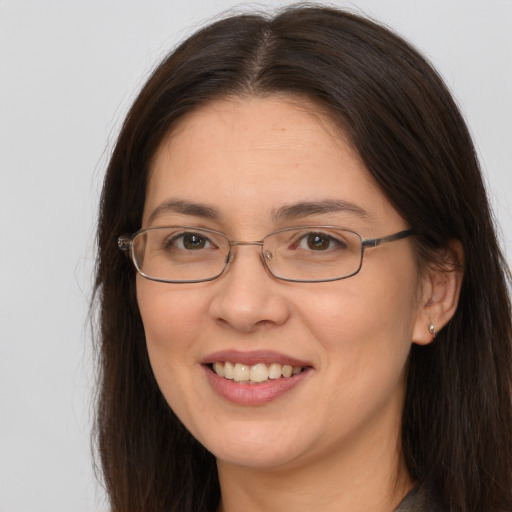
point(440, 293)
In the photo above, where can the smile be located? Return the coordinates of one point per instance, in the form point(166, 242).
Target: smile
point(254, 378)
point(254, 374)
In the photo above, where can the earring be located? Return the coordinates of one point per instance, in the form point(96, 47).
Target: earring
point(432, 330)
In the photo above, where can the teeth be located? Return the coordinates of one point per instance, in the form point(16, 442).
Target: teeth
point(229, 370)
point(257, 373)
point(241, 372)
point(274, 371)
point(218, 368)
point(287, 370)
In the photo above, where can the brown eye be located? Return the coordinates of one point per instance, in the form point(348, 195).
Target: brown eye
point(193, 241)
point(318, 241)
point(187, 241)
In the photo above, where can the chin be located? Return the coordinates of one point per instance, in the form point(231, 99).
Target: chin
point(260, 446)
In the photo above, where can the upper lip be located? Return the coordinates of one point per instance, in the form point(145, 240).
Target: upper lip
point(253, 357)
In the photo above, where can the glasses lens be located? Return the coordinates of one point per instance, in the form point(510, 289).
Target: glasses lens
point(180, 254)
point(313, 253)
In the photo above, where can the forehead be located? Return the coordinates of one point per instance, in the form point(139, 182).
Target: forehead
point(248, 155)
point(249, 119)
point(254, 122)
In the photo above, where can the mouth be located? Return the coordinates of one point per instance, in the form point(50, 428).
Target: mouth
point(258, 373)
point(254, 378)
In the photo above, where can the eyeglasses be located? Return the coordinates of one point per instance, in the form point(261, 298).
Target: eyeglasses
point(304, 254)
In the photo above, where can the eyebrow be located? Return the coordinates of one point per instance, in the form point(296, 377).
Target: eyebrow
point(305, 208)
point(185, 208)
point(286, 212)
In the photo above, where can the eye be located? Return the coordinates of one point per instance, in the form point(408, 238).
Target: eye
point(188, 241)
point(319, 242)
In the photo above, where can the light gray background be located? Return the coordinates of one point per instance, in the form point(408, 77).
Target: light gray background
point(68, 71)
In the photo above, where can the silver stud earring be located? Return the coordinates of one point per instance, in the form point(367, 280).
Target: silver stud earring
point(432, 330)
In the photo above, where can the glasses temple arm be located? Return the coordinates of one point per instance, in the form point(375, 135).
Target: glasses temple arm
point(374, 242)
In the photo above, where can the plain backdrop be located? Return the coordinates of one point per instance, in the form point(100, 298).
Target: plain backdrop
point(68, 72)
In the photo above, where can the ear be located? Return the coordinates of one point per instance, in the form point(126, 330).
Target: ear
point(439, 295)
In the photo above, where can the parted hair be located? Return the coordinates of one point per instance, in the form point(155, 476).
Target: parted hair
point(400, 117)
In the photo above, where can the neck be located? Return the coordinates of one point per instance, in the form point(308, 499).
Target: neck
point(356, 480)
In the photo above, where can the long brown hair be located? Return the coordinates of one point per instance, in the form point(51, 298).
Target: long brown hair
point(400, 117)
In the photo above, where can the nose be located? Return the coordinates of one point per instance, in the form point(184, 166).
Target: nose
point(247, 297)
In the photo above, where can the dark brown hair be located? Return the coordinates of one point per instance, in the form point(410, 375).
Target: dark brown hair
point(400, 117)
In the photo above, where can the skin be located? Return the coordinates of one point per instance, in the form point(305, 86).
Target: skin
point(331, 442)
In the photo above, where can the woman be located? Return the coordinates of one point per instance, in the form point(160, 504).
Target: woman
point(314, 311)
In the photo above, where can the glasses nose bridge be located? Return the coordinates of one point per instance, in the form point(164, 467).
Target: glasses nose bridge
point(235, 243)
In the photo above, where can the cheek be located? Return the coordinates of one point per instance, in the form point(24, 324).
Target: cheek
point(368, 314)
point(172, 321)
point(167, 313)
point(365, 339)
point(366, 329)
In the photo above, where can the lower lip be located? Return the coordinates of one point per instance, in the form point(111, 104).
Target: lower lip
point(253, 394)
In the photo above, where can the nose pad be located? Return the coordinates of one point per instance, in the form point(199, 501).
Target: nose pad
point(268, 255)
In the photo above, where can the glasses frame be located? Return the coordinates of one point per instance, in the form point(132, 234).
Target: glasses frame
point(125, 244)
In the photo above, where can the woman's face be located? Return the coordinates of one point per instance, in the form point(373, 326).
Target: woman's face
point(247, 167)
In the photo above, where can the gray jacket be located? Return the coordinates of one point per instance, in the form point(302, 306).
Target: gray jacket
point(419, 499)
